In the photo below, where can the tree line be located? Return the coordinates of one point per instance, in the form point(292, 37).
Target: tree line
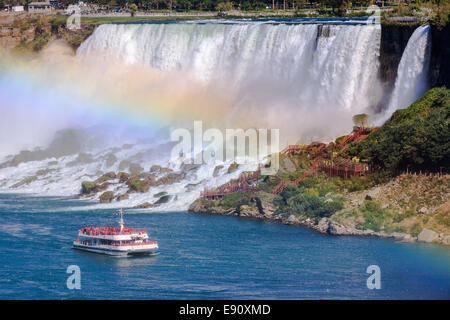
point(216, 5)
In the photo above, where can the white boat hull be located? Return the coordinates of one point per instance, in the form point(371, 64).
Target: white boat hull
point(114, 251)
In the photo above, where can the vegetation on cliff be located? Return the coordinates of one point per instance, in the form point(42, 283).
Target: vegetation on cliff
point(417, 138)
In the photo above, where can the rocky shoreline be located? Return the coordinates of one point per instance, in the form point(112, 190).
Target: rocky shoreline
point(265, 211)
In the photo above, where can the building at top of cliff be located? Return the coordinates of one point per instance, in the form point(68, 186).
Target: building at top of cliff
point(39, 7)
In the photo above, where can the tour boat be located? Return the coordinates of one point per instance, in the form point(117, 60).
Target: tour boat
point(117, 241)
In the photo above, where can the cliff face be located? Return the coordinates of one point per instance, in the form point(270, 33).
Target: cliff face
point(440, 57)
point(31, 32)
point(394, 39)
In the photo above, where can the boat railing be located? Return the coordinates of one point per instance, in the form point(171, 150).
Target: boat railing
point(111, 231)
point(117, 244)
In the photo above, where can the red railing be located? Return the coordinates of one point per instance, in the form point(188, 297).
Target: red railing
point(283, 184)
point(241, 185)
point(110, 231)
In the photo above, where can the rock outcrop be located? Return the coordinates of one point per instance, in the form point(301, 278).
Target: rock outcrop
point(427, 235)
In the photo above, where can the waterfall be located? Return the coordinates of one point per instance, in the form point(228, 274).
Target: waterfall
point(315, 72)
point(412, 74)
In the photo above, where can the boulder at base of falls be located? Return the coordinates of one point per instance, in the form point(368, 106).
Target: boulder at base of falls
point(217, 170)
point(123, 177)
point(144, 205)
point(121, 197)
point(24, 181)
point(137, 184)
point(155, 168)
point(160, 194)
point(163, 199)
point(233, 167)
point(141, 182)
point(107, 176)
point(89, 188)
point(107, 197)
point(170, 178)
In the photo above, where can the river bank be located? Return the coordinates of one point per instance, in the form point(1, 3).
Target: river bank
point(349, 221)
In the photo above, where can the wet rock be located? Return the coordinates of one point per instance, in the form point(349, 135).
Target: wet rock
point(170, 178)
point(144, 205)
point(155, 168)
point(160, 194)
point(91, 187)
point(24, 181)
point(233, 167)
point(121, 197)
point(123, 177)
point(107, 176)
point(186, 167)
point(88, 187)
point(217, 170)
point(138, 184)
point(107, 197)
point(162, 200)
point(191, 186)
point(44, 172)
point(427, 235)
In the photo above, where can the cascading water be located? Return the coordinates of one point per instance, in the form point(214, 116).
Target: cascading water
point(314, 72)
point(309, 78)
point(412, 74)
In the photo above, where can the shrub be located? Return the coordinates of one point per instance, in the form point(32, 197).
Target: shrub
point(308, 202)
point(415, 229)
point(236, 199)
point(374, 216)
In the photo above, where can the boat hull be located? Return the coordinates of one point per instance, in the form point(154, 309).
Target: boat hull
point(115, 252)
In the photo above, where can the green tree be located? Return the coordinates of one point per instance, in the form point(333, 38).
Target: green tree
point(133, 8)
point(360, 120)
point(224, 6)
